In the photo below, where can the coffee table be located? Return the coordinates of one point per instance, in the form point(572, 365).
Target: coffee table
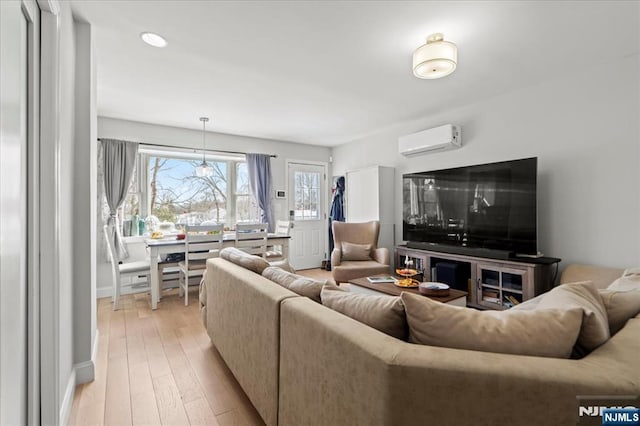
point(363, 286)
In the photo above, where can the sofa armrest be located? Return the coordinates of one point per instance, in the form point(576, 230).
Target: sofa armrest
point(336, 257)
point(536, 390)
point(331, 374)
point(367, 377)
point(243, 321)
point(381, 255)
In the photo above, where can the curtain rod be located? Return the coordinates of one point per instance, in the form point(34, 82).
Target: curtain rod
point(196, 149)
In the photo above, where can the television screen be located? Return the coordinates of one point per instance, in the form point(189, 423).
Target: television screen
point(490, 206)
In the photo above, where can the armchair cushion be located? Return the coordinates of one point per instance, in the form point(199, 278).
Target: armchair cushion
point(352, 251)
point(351, 269)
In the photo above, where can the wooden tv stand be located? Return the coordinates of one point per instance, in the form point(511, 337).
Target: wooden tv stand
point(490, 283)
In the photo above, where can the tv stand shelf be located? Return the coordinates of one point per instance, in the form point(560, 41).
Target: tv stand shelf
point(490, 283)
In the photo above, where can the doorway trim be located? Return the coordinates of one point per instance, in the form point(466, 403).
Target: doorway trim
point(52, 410)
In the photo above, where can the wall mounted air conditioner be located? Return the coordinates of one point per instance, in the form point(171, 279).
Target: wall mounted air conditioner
point(438, 139)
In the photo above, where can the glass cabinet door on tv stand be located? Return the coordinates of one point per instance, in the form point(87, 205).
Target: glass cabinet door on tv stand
point(500, 287)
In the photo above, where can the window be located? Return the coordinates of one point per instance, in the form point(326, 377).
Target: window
point(307, 195)
point(246, 208)
point(165, 186)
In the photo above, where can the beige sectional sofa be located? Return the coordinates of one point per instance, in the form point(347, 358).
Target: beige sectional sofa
point(301, 363)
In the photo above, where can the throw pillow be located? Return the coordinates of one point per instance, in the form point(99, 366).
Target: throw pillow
point(303, 286)
point(542, 332)
point(620, 306)
point(528, 305)
point(283, 264)
point(384, 313)
point(584, 295)
point(248, 261)
point(628, 281)
point(352, 251)
point(631, 271)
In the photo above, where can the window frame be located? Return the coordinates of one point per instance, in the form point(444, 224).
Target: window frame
point(142, 189)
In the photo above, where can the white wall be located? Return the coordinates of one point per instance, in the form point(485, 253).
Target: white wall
point(584, 129)
point(152, 134)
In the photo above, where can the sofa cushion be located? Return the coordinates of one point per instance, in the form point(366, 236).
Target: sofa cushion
point(303, 286)
point(384, 313)
point(541, 332)
point(351, 251)
point(595, 324)
point(621, 306)
point(248, 261)
point(628, 281)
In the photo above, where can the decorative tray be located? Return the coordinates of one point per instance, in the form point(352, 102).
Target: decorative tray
point(407, 283)
point(406, 272)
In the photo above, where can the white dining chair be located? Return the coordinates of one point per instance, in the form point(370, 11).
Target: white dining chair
point(252, 238)
point(201, 243)
point(140, 268)
point(274, 253)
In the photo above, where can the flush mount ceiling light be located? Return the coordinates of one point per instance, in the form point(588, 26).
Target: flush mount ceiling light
point(437, 58)
point(204, 170)
point(153, 39)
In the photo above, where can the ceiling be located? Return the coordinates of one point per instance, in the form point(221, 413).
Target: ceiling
point(329, 72)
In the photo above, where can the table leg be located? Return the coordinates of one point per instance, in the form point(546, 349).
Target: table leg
point(153, 257)
point(285, 249)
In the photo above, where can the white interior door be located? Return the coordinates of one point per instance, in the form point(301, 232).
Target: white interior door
point(13, 214)
point(307, 192)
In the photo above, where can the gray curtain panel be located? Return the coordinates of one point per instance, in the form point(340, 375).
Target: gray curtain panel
point(119, 159)
point(259, 167)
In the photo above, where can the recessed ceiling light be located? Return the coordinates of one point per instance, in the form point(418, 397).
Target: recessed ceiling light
point(153, 39)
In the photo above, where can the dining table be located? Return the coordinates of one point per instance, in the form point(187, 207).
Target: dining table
point(171, 244)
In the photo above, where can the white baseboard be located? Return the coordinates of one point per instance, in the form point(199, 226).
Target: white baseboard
point(67, 401)
point(86, 371)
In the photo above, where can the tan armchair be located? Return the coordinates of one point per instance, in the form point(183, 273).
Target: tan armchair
point(351, 258)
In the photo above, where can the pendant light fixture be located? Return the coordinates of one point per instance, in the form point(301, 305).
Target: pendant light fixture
point(437, 58)
point(204, 170)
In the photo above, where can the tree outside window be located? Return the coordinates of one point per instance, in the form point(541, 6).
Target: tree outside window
point(166, 187)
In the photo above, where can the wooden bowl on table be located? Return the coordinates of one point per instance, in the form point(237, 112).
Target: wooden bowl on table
point(433, 289)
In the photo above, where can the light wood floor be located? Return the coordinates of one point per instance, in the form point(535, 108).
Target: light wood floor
point(160, 368)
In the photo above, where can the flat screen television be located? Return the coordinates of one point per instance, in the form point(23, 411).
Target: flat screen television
point(487, 206)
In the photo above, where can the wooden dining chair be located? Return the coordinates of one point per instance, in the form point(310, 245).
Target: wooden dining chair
point(252, 238)
point(201, 243)
point(119, 270)
point(273, 253)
